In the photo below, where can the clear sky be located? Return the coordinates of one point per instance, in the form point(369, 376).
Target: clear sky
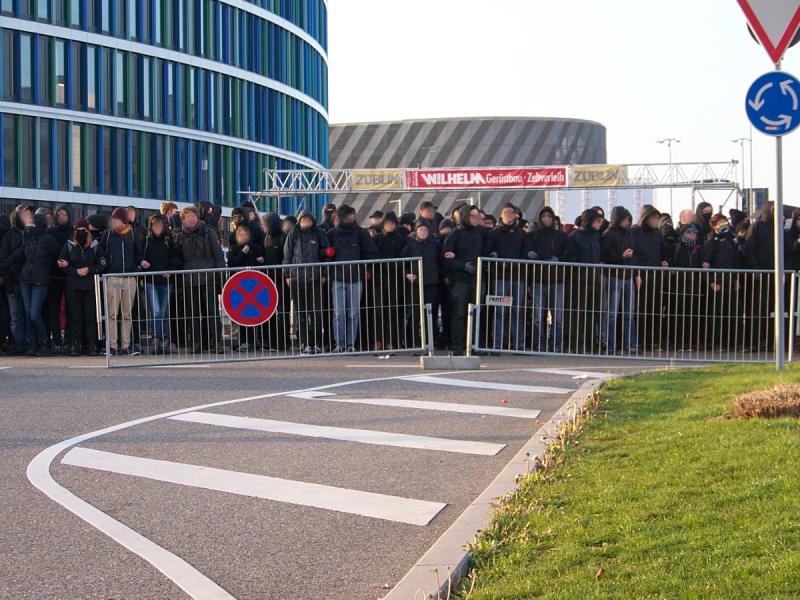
point(646, 69)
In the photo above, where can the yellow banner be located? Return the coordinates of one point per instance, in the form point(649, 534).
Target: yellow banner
point(378, 180)
point(598, 176)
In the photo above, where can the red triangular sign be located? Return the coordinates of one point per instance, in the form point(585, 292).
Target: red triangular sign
point(775, 23)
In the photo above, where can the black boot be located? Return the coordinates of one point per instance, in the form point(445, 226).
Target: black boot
point(76, 349)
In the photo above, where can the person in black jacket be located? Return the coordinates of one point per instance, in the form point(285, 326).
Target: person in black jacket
point(508, 241)
point(461, 250)
point(41, 252)
point(200, 249)
point(12, 259)
point(720, 251)
point(703, 213)
point(245, 253)
point(350, 243)
point(687, 290)
point(547, 243)
point(123, 255)
point(421, 244)
point(619, 283)
point(275, 332)
point(389, 280)
point(80, 260)
point(159, 254)
point(6, 339)
point(650, 250)
point(585, 308)
point(307, 244)
point(792, 243)
point(328, 214)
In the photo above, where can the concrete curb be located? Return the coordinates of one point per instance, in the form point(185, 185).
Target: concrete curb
point(446, 561)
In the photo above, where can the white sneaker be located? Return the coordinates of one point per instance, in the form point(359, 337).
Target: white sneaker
point(350, 349)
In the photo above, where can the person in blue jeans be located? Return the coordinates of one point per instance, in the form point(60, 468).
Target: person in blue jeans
point(159, 253)
point(41, 253)
point(619, 284)
point(12, 259)
point(350, 243)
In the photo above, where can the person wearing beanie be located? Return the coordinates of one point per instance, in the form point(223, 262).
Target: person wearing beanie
point(600, 211)
point(307, 244)
point(98, 223)
point(350, 242)
point(547, 243)
point(81, 259)
point(407, 223)
point(123, 254)
point(12, 259)
point(461, 251)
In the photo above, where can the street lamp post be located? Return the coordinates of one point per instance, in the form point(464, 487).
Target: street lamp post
point(741, 142)
point(669, 142)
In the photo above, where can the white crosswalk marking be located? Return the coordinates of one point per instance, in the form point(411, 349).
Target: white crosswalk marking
point(367, 504)
point(364, 436)
point(571, 373)
point(489, 385)
point(473, 409)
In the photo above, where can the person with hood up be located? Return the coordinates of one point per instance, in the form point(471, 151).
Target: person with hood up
point(389, 279)
point(668, 234)
point(41, 252)
point(328, 214)
point(721, 252)
point(792, 243)
point(702, 219)
point(160, 253)
point(406, 223)
point(275, 332)
point(585, 305)
point(123, 255)
point(650, 250)
point(12, 259)
point(686, 289)
point(245, 253)
point(80, 260)
point(547, 243)
point(421, 244)
point(350, 243)
point(56, 296)
point(508, 241)
point(307, 244)
point(442, 341)
point(200, 249)
point(238, 218)
point(759, 253)
point(619, 284)
point(252, 220)
point(461, 250)
point(602, 213)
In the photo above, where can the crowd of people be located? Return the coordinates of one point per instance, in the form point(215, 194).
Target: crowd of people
point(48, 264)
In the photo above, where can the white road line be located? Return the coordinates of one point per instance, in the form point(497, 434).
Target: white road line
point(474, 409)
point(309, 395)
point(363, 436)
point(570, 372)
point(489, 385)
point(366, 504)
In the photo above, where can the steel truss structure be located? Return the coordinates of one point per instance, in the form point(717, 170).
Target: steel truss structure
point(698, 176)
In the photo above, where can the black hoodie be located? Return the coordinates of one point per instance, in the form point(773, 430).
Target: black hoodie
point(466, 242)
point(584, 243)
point(12, 252)
point(304, 247)
point(274, 241)
point(617, 240)
point(350, 242)
point(507, 241)
point(648, 244)
point(80, 257)
point(431, 255)
point(41, 252)
point(759, 251)
point(703, 220)
point(549, 243)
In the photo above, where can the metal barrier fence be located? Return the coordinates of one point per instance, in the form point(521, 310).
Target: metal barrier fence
point(533, 307)
point(177, 317)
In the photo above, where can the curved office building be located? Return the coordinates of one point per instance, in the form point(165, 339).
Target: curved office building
point(468, 142)
point(116, 102)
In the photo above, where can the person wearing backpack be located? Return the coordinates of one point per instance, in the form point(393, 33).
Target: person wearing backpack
point(80, 260)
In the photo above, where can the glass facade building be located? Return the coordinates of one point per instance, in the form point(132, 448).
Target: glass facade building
point(111, 102)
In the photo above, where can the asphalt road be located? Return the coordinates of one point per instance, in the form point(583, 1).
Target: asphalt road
point(259, 510)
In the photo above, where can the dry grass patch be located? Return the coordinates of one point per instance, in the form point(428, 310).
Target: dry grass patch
point(780, 401)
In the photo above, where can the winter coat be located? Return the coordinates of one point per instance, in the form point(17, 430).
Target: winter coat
point(303, 247)
point(721, 252)
point(199, 249)
point(583, 245)
point(162, 253)
point(430, 252)
point(12, 252)
point(616, 240)
point(123, 253)
point(238, 259)
point(649, 246)
point(41, 252)
point(759, 250)
point(792, 244)
point(466, 242)
point(350, 244)
point(684, 257)
point(507, 242)
point(390, 245)
point(702, 221)
point(78, 258)
point(274, 241)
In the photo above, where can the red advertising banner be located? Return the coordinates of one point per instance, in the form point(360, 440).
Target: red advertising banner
point(537, 177)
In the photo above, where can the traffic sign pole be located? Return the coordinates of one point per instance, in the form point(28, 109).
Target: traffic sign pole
point(777, 220)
